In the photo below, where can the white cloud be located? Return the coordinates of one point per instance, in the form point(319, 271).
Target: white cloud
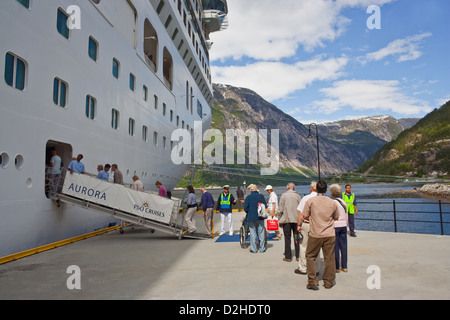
point(272, 30)
point(406, 49)
point(275, 80)
point(363, 95)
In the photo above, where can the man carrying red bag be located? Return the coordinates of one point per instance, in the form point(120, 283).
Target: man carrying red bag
point(287, 218)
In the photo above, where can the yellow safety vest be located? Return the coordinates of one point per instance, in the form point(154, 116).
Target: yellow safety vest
point(225, 203)
point(349, 201)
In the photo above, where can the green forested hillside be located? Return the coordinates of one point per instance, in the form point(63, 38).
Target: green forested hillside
point(422, 150)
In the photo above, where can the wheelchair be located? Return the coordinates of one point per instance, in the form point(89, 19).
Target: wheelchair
point(244, 234)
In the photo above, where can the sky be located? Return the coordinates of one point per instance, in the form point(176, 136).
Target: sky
point(329, 60)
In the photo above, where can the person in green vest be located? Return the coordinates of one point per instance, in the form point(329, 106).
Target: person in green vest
point(352, 210)
point(224, 206)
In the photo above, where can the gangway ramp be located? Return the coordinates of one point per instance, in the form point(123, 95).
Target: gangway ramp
point(144, 208)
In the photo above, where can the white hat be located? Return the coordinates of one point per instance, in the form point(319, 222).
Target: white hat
point(226, 186)
point(269, 187)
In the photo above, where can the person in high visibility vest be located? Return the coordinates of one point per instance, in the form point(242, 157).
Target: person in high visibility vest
point(352, 210)
point(224, 206)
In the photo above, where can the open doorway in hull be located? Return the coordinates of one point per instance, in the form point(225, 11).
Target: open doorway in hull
point(64, 151)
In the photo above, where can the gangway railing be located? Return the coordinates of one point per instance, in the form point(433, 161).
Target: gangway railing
point(144, 208)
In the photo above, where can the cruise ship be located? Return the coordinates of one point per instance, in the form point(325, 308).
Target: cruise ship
point(109, 79)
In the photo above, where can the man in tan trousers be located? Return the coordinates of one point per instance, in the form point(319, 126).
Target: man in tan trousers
point(321, 211)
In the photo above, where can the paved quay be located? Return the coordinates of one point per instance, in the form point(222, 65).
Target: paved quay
point(143, 265)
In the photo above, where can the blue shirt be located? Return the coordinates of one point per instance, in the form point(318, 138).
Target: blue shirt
point(207, 200)
point(251, 205)
point(76, 166)
point(103, 175)
point(191, 199)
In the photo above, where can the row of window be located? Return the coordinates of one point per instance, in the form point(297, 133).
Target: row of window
point(15, 72)
point(191, 32)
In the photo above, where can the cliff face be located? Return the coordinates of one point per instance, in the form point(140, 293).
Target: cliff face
point(343, 145)
point(423, 149)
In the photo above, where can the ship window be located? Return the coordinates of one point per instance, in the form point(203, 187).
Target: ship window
point(199, 109)
point(180, 45)
point(167, 68)
point(25, 3)
point(168, 21)
point(15, 79)
point(4, 160)
point(192, 100)
point(115, 68)
point(93, 49)
point(174, 35)
point(155, 138)
point(90, 107)
point(160, 6)
point(145, 93)
point(150, 45)
point(187, 95)
point(171, 115)
point(164, 143)
point(144, 133)
point(59, 92)
point(156, 101)
point(61, 23)
point(132, 81)
point(178, 121)
point(19, 162)
point(164, 109)
point(115, 119)
point(131, 124)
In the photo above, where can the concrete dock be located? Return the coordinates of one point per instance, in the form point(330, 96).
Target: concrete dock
point(155, 266)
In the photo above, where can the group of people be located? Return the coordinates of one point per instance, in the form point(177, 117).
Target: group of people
point(224, 205)
point(315, 223)
point(104, 174)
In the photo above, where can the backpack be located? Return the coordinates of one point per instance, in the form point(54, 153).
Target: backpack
point(169, 194)
point(262, 213)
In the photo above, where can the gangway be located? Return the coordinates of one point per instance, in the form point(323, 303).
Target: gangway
point(144, 208)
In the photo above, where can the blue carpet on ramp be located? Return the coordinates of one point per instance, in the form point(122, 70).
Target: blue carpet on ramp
point(235, 238)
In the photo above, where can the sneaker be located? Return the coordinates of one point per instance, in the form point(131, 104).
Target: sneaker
point(221, 234)
point(287, 260)
point(344, 270)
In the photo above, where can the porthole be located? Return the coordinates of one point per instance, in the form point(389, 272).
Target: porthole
point(19, 162)
point(29, 183)
point(4, 160)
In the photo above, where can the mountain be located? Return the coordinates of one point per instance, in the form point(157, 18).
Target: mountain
point(367, 134)
point(385, 128)
point(343, 145)
point(423, 149)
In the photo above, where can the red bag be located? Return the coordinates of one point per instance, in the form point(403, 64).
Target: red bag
point(272, 225)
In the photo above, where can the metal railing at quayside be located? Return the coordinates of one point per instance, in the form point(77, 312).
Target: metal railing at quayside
point(395, 213)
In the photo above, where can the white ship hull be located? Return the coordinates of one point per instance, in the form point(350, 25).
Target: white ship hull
point(32, 123)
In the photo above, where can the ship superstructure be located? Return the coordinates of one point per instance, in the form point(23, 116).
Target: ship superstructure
point(109, 79)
